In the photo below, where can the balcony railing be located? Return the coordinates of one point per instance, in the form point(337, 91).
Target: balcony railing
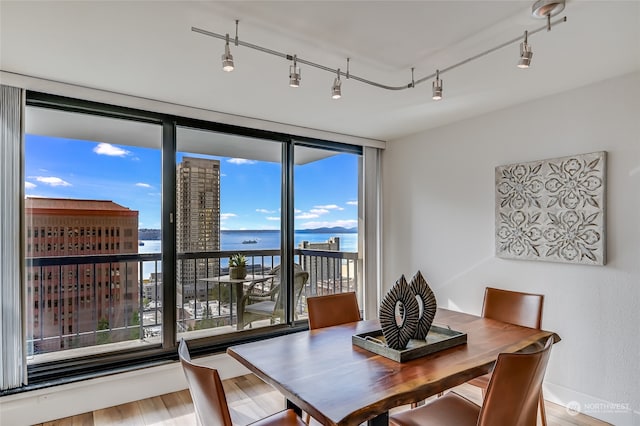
point(108, 298)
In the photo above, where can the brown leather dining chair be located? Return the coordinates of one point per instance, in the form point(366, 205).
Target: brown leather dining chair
point(524, 309)
point(209, 399)
point(332, 309)
point(511, 397)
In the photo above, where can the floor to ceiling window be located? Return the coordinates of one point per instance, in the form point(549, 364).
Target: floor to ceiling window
point(92, 188)
point(228, 204)
point(326, 182)
point(137, 224)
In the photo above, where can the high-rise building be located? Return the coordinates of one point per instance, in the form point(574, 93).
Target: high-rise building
point(197, 222)
point(72, 301)
point(322, 270)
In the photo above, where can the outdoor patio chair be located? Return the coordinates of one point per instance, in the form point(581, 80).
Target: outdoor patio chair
point(258, 305)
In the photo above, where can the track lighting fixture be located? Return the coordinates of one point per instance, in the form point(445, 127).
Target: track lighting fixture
point(525, 53)
point(294, 73)
point(336, 92)
point(227, 58)
point(437, 87)
point(541, 9)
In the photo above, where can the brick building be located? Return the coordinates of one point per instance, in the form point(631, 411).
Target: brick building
point(70, 301)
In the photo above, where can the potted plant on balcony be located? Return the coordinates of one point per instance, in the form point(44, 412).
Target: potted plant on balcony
point(237, 266)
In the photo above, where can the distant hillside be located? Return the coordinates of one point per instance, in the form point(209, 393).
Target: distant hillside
point(149, 234)
point(156, 234)
point(334, 230)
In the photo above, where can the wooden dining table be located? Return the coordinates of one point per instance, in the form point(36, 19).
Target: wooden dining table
point(321, 372)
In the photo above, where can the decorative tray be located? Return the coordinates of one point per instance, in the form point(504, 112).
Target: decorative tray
point(438, 339)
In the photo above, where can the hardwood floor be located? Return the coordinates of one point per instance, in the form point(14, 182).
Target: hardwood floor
point(249, 399)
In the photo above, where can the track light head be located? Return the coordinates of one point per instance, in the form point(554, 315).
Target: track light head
point(336, 92)
point(294, 74)
point(437, 87)
point(227, 58)
point(525, 59)
point(525, 53)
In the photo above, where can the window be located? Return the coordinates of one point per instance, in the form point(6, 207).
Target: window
point(73, 186)
point(228, 199)
point(326, 185)
point(233, 192)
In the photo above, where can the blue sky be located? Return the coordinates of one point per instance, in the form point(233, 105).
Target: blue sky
point(325, 190)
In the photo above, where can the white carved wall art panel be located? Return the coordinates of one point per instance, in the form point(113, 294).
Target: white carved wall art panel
point(552, 210)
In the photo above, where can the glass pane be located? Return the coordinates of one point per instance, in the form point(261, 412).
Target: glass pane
point(92, 187)
point(326, 222)
point(227, 202)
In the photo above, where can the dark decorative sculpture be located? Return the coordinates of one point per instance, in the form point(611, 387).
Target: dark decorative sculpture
point(427, 304)
point(399, 313)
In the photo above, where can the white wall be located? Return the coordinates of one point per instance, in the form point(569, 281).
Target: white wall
point(439, 218)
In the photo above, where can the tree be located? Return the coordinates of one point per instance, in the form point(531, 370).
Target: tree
point(104, 336)
point(135, 321)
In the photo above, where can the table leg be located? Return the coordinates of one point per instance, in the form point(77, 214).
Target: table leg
point(294, 407)
point(379, 420)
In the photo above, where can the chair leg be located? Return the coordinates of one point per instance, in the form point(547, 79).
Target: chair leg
point(543, 414)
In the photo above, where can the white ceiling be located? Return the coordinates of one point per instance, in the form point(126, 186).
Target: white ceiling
point(147, 49)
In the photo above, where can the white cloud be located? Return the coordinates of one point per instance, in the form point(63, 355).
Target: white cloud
point(225, 216)
point(143, 185)
point(52, 181)
point(240, 161)
point(110, 150)
point(318, 211)
point(307, 216)
point(352, 203)
point(265, 211)
point(330, 207)
point(273, 218)
point(29, 185)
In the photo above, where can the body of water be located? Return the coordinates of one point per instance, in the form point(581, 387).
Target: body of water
point(264, 240)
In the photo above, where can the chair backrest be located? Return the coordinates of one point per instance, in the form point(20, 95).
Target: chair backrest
point(332, 309)
point(300, 278)
point(512, 395)
point(524, 309)
point(206, 390)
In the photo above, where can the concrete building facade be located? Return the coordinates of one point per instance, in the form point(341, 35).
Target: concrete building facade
point(197, 222)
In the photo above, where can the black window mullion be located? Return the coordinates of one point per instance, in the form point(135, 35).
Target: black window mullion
point(287, 230)
point(169, 293)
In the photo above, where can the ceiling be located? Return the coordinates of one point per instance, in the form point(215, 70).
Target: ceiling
point(147, 49)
